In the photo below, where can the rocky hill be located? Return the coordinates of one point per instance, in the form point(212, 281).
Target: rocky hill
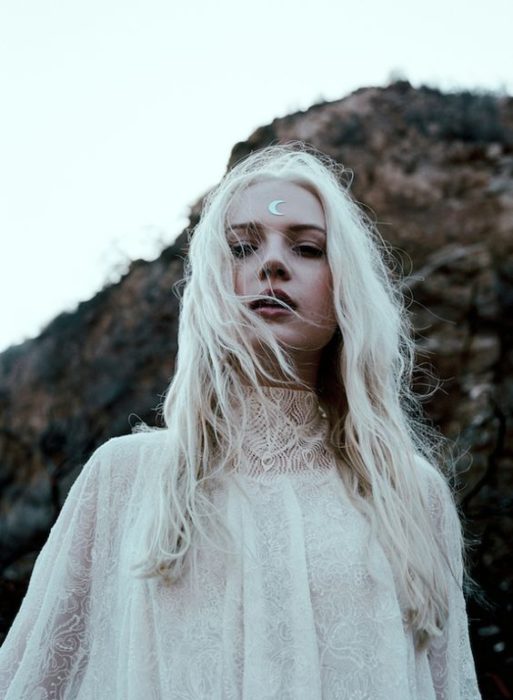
point(436, 171)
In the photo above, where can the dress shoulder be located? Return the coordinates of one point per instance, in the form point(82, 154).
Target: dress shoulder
point(128, 447)
point(123, 456)
point(436, 490)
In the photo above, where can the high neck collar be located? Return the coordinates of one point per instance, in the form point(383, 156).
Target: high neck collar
point(285, 432)
point(299, 406)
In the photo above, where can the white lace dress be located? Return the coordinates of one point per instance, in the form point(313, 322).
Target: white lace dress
point(307, 610)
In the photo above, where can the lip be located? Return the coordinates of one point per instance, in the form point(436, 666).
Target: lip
point(277, 294)
point(272, 311)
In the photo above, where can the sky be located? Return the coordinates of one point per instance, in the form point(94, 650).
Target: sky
point(116, 116)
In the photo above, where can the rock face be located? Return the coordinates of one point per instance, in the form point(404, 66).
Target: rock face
point(437, 170)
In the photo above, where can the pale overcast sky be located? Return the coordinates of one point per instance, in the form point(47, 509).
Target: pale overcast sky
point(116, 116)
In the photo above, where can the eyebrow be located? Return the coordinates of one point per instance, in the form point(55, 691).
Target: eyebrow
point(294, 228)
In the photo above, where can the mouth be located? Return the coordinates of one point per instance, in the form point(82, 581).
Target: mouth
point(279, 300)
point(273, 312)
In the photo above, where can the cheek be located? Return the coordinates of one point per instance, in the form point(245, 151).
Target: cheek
point(238, 281)
point(244, 277)
point(323, 293)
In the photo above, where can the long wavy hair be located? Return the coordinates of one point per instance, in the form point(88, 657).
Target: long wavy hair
point(364, 386)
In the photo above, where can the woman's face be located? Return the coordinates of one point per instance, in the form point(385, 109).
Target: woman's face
point(278, 239)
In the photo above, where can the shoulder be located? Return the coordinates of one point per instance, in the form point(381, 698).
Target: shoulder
point(122, 456)
point(127, 447)
point(434, 485)
point(442, 508)
point(119, 469)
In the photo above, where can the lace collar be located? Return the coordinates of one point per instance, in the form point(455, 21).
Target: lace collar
point(288, 433)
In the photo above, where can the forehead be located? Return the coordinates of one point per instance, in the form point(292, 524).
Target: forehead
point(276, 201)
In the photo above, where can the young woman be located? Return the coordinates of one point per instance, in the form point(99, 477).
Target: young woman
point(289, 533)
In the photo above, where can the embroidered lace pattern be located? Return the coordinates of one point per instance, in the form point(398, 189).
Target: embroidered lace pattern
point(291, 439)
point(304, 609)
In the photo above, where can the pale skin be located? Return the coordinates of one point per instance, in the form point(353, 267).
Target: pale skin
point(282, 247)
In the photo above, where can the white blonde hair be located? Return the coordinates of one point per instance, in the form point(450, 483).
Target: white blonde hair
point(364, 386)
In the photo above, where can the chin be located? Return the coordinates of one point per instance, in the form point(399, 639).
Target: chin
point(301, 344)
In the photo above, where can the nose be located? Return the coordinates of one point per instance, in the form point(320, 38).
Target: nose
point(273, 269)
point(273, 264)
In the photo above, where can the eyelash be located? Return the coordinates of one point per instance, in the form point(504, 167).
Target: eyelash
point(240, 250)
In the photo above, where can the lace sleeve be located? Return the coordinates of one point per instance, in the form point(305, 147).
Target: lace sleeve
point(46, 650)
point(450, 655)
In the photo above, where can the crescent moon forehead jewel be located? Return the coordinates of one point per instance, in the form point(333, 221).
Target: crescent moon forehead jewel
point(273, 207)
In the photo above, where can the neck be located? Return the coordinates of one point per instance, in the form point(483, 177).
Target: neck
point(306, 366)
point(284, 431)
